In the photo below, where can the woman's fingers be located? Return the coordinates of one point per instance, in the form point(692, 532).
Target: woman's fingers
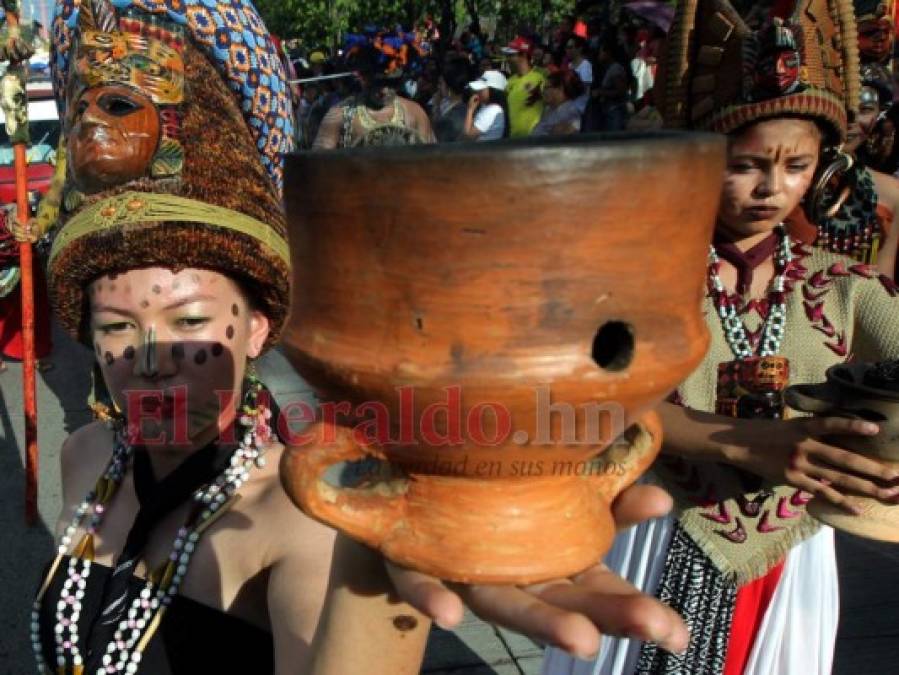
point(823, 490)
point(522, 612)
point(817, 453)
point(617, 608)
point(639, 503)
point(426, 594)
point(817, 427)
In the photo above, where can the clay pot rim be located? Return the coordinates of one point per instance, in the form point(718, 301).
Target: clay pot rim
point(850, 376)
point(579, 144)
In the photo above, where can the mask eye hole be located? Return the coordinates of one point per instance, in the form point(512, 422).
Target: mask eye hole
point(117, 105)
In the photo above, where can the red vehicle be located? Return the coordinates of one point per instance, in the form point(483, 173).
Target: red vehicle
point(43, 121)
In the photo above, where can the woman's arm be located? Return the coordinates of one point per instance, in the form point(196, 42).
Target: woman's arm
point(365, 627)
point(471, 131)
point(301, 554)
point(328, 136)
point(792, 452)
point(888, 194)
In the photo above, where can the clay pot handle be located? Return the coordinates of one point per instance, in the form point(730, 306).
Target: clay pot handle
point(630, 456)
point(368, 515)
point(818, 399)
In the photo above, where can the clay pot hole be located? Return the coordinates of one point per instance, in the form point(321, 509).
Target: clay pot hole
point(613, 346)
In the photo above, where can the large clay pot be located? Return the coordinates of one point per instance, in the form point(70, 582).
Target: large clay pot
point(483, 274)
point(845, 394)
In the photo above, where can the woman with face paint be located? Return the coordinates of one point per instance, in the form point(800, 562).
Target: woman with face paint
point(179, 552)
point(751, 572)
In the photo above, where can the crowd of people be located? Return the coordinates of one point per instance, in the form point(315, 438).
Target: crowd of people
point(577, 79)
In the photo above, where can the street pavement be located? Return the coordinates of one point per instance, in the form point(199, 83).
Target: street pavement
point(869, 631)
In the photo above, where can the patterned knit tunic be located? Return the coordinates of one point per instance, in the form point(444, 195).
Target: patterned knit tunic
point(730, 528)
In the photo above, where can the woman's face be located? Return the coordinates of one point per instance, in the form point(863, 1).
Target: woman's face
point(770, 167)
point(173, 348)
point(553, 96)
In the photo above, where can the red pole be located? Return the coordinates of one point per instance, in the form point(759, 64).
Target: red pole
point(28, 361)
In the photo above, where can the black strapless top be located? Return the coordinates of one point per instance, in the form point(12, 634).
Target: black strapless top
point(192, 638)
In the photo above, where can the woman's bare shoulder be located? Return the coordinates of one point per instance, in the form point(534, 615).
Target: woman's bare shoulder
point(292, 533)
point(87, 450)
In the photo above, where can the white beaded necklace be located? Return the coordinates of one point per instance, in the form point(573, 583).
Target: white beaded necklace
point(123, 654)
point(775, 324)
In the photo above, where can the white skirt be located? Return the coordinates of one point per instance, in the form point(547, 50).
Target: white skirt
point(798, 631)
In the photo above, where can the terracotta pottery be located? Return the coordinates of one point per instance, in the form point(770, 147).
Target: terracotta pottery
point(846, 394)
point(502, 312)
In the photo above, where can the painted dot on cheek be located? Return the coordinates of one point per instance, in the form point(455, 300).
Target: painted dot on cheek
point(217, 349)
point(200, 357)
point(229, 332)
point(144, 304)
point(178, 351)
point(109, 359)
point(128, 353)
point(234, 310)
point(157, 289)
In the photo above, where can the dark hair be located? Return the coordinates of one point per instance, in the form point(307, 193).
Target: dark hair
point(578, 42)
point(568, 81)
point(457, 73)
point(366, 60)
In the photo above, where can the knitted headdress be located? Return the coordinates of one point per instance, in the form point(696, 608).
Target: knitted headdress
point(719, 75)
point(194, 116)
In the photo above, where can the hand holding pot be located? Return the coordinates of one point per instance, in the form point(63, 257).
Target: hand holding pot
point(567, 613)
point(796, 452)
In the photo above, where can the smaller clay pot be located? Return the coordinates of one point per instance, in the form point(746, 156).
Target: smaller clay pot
point(845, 394)
point(467, 530)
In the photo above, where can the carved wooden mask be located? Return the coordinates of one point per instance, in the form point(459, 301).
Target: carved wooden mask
point(126, 89)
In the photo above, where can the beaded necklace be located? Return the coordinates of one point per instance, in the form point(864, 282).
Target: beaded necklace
point(123, 654)
point(734, 330)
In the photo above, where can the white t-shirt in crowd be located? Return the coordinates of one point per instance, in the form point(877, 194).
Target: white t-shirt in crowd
point(490, 120)
point(585, 71)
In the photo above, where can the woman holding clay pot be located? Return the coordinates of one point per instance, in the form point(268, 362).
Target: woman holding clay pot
point(172, 265)
point(179, 551)
point(753, 575)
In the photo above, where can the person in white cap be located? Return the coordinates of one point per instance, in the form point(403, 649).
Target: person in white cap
point(488, 111)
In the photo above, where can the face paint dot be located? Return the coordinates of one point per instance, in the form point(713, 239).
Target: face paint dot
point(157, 289)
point(109, 359)
point(217, 349)
point(235, 310)
point(195, 278)
point(128, 353)
point(178, 351)
point(176, 285)
point(200, 357)
point(144, 304)
point(111, 287)
point(229, 332)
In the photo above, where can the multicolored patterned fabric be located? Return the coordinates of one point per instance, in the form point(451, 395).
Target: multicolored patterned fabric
point(234, 38)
